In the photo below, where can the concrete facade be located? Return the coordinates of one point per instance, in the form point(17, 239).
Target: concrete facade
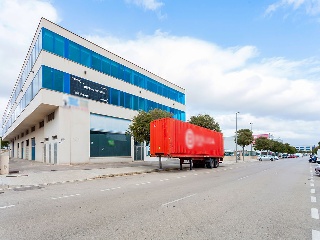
point(51, 120)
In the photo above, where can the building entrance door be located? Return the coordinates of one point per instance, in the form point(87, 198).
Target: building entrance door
point(33, 149)
point(138, 151)
point(22, 143)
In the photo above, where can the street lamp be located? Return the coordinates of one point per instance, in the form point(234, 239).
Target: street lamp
point(237, 136)
point(251, 142)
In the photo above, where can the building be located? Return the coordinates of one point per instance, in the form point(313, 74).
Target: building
point(73, 101)
point(304, 148)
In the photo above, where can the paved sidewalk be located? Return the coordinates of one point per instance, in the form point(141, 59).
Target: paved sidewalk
point(25, 173)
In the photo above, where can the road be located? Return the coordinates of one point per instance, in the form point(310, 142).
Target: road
point(257, 200)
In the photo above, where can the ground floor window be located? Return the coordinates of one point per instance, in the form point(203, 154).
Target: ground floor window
point(106, 144)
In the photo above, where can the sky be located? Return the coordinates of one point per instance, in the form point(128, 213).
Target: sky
point(258, 58)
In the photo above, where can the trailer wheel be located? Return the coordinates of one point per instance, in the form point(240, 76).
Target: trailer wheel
point(209, 164)
point(215, 163)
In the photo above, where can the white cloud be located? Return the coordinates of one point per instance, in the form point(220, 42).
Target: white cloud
point(147, 4)
point(276, 94)
point(18, 20)
point(311, 7)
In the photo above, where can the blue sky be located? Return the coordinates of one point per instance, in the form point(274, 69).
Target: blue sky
point(257, 57)
point(285, 32)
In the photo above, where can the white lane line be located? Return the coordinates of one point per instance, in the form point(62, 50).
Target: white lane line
point(315, 235)
point(311, 184)
point(66, 196)
point(195, 174)
point(114, 188)
point(178, 200)
point(178, 177)
point(314, 213)
point(9, 206)
point(311, 180)
point(313, 199)
point(313, 190)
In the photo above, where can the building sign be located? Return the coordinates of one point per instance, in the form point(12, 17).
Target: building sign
point(265, 135)
point(88, 89)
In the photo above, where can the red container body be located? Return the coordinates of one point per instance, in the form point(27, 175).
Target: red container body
point(174, 138)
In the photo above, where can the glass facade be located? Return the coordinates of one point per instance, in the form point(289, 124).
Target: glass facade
point(106, 144)
point(56, 80)
point(63, 47)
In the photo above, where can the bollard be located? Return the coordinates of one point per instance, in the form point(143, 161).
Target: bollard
point(4, 164)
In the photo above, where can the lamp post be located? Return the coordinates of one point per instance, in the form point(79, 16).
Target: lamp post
point(237, 136)
point(251, 142)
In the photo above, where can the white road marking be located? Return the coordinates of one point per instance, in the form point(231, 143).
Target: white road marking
point(311, 184)
point(178, 177)
point(315, 235)
point(313, 190)
point(195, 174)
point(312, 180)
point(178, 200)
point(314, 213)
point(9, 206)
point(313, 199)
point(67, 196)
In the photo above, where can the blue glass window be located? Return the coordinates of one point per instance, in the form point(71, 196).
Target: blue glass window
point(122, 100)
point(114, 69)
point(96, 61)
point(142, 104)
point(47, 40)
point(74, 52)
point(46, 77)
point(114, 97)
point(135, 102)
point(59, 45)
point(58, 81)
point(105, 66)
point(85, 57)
point(128, 101)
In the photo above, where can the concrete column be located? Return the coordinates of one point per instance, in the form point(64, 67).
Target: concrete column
point(4, 163)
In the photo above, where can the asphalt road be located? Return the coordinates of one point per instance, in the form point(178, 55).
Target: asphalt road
point(257, 200)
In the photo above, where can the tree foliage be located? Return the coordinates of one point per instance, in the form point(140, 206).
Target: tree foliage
point(263, 143)
point(4, 144)
point(140, 125)
point(206, 121)
point(244, 138)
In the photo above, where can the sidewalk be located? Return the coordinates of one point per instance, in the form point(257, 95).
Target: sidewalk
point(26, 173)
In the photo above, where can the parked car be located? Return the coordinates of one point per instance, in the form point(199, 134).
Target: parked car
point(275, 158)
point(317, 170)
point(266, 157)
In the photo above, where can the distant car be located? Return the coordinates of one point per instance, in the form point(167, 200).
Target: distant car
point(266, 157)
point(275, 158)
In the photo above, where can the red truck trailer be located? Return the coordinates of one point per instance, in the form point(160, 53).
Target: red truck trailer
point(192, 144)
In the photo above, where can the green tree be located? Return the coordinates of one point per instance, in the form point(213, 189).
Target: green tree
point(262, 143)
point(244, 138)
point(140, 125)
point(206, 121)
point(4, 144)
point(277, 147)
